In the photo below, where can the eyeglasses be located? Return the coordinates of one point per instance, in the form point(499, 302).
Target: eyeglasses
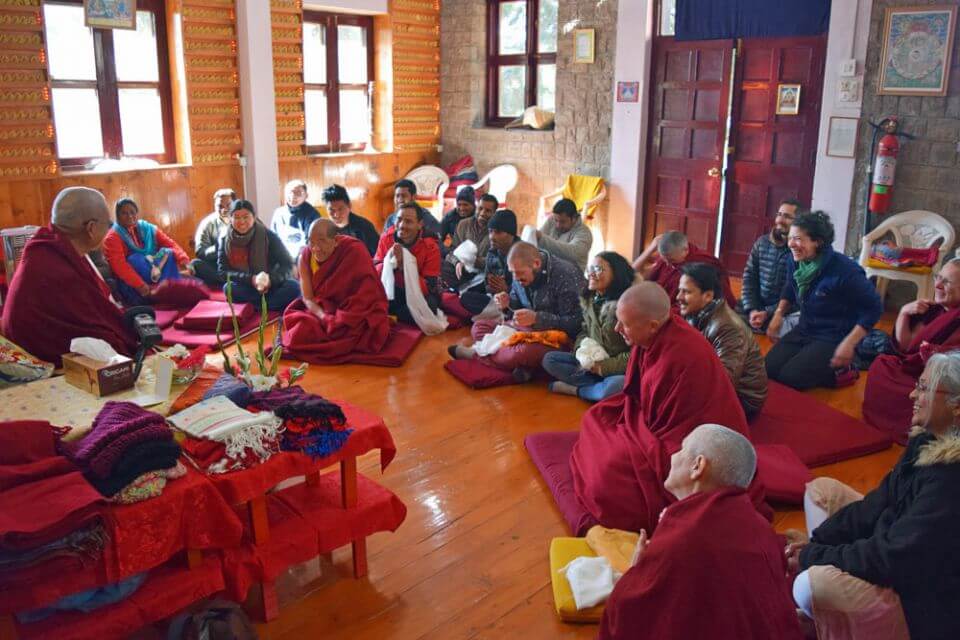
point(938, 279)
point(595, 270)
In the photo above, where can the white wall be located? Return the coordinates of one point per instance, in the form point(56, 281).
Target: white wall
point(833, 177)
point(629, 131)
point(350, 6)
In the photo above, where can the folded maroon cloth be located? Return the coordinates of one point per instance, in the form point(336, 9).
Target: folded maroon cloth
point(205, 315)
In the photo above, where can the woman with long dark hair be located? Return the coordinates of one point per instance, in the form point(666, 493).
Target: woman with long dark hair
point(608, 275)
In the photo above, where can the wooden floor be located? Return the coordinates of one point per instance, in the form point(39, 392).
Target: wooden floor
point(471, 559)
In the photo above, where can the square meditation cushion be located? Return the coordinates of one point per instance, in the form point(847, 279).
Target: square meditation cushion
point(562, 552)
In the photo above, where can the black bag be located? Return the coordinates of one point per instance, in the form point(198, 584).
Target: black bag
point(219, 620)
point(872, 345)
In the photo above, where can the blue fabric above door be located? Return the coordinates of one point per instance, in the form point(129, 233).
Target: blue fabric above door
point(717, 19)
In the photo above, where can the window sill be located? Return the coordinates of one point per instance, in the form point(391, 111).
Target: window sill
point(334, 155)
point(71, 172)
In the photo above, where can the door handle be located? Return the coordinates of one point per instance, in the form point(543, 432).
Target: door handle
point(714, 172)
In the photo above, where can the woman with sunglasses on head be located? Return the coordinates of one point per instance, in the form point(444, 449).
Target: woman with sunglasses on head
point(608, 275)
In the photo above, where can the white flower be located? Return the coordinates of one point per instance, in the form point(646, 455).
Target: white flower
point(176, 351)
point(259, 382)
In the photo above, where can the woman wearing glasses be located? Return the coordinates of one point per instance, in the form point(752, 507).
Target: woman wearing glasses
point(608, 275)
point(923, 327)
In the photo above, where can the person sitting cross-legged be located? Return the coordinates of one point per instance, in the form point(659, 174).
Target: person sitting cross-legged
point(545, 296)
point(409, 234)
point(838, 307)
point(882, 565)
point(342, 308)
point(702, 305)
point(207, 238)
point(564, 235)
point(456, 272)
point(608, 276)
point(255, 260)
point(292, 220)
point(666, 254)
point(712, 548)
point(766, 270)
point(405, 192)
point(140, 254)
point(465, 209)
point(337, 200)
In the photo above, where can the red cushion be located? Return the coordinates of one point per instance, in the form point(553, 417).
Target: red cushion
point(462, 172)
point(205, 315)
point(478, 375)
point(450, 303)
point(182, 293)
point(782, 473)
point(550, 453)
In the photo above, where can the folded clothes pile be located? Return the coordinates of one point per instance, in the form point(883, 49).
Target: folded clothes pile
point(312, 425)
point(124, 443)
point(89, 600)
point(84, 544)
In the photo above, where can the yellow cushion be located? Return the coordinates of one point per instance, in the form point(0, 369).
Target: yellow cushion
point(613, 544)
point(873, 263)
point(582, 189)
point(562, 552)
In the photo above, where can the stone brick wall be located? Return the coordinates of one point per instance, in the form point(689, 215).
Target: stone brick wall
point(580, 142)
point(928, 168)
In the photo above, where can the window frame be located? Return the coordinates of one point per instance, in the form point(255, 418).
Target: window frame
point(530, 59)
point(107, 87)
point(332, 87)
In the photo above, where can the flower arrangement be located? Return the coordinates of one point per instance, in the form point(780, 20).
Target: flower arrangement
point(187, 363)
point(269, 376)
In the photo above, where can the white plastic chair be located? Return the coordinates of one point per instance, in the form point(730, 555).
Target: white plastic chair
point(500, 181)
point(914, 230)
point(432, 183)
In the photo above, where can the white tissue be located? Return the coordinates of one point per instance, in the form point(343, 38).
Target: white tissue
point(261, 280)
point(491, 343)
point(590, 353)
point(529, 234)
point(466, 253)
point(591, 580)
point(96, 349)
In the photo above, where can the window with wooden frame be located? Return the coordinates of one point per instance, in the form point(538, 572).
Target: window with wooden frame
point(337, 79)
point(110, 88)
point(521, 57)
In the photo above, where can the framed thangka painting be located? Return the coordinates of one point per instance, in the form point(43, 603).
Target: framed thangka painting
point(917, 47)
point(110, 14)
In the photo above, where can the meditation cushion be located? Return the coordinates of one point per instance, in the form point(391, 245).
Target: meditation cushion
point(181, 293)
point(451, 305)
point(562, 552)
point(550, 453)
point(462, 172)
point(205, 315)
point(477, 375)
point(166, 317)
point(782, 473)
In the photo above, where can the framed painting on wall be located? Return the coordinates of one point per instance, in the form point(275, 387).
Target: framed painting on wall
point(110, 14)
point(788, 99)
point(917, 47)
point(583, 42)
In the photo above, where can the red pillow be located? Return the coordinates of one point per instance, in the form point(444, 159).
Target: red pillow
point(181, 293)
point(478, 375)
point(782, 473)
point(461, 172)
point(204, 316)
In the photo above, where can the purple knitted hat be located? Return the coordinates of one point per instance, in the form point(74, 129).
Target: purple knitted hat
point(114, 421)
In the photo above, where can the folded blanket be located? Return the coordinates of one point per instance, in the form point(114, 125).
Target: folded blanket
point(551, 338)
point(147, 456)
point(89, 600)
point(86, 544)
point(615, 545)
point(309, 412)
point(115, 420)
point(894, 256)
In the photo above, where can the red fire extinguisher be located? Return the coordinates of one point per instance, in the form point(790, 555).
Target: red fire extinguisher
point(881, 189)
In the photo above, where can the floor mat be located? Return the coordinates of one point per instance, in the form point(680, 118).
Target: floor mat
point(192, 339)
point(550, 453)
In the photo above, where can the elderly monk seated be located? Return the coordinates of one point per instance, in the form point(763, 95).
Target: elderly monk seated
point(702, 305)
point(56, 293)
point(409, 235)
point(140, 255)
point(923, 327)
point(564, 235)
point(674, 382)
point(666, 254)
point(714, 568)
point(884, 565)
point(343, 309)
point(544, 296)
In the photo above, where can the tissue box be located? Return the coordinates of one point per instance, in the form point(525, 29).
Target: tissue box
point(97, 377)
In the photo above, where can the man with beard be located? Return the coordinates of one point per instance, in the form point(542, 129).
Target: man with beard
point(348, 223)
point(474, 229)
point(409, 234)
point(766, 270)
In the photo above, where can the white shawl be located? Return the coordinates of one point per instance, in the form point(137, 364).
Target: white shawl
point(429, 322)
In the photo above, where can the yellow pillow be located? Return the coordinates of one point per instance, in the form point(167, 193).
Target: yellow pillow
point(878, 264)
point(562, 552)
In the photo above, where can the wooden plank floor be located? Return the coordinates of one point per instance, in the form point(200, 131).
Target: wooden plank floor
point(471, 559)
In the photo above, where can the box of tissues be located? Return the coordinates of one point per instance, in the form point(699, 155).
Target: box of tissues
point(92, 365)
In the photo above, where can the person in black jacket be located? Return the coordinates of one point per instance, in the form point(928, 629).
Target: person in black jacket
point(766, 270)
point(348, 223)
point(885, 564)
point(255, 260)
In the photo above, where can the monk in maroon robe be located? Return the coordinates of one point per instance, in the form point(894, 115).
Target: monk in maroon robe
point(923, 327)
point(662, 260)
point(715, 568)
point(674, 382)
point(343, 309)
point(57, 294)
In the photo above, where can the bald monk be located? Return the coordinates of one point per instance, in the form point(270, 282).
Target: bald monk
point(666, 254)
point(713, 569)
point(343, 308)
point(674, 382)
point(57, 294)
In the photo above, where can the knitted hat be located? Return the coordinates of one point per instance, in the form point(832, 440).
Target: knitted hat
point(503, 220)
point(467, 194)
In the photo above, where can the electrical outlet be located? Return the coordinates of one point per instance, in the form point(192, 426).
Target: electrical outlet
point(848, 90)
point(848, 68)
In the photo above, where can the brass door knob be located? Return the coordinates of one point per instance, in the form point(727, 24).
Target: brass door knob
point(714, 172)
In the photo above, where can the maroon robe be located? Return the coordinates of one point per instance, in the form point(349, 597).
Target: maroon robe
point(622, 456)
point(714, 569)
point(348, 289)
point(886, 399)
point(55, 296)
point(667, 275)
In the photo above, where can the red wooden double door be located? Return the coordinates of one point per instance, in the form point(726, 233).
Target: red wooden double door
point(720, 158)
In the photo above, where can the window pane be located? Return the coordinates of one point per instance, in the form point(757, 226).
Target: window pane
point(315, 112)
point(668, 17)
point(547, 27)
point(76, 114)
point(354, 116)
point(547, 86)
point(141, 121)
point(513, 89)
point(513, 27)
point(69, 43)
point(136, 51)
point(314, 53)
point(352, 54)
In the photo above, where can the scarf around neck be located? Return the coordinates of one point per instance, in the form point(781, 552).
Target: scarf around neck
point(806, 272)
point(698, 319)
point(147, 234)
point(256, 242)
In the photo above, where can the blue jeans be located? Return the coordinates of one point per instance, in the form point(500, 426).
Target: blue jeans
point(129, 295)
point(278, 297)
point(564, 367)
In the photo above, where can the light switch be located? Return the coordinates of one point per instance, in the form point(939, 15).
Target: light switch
point(848, 68)
point(848, 90)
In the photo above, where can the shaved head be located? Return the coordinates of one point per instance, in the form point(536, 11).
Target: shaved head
point(76, 205)
point(525, 263)
point(647, 300)
point(322, 240)
point(711, 456)
point(323, 228)
point(523, 253)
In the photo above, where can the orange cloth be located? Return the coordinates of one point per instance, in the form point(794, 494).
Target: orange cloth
point(551, 338)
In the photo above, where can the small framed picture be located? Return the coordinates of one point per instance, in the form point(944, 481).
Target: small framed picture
point(583, 40)
point(628, 92)
point(917, 42)
point(788, 99)
point(842, 137)
point(110, 14)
